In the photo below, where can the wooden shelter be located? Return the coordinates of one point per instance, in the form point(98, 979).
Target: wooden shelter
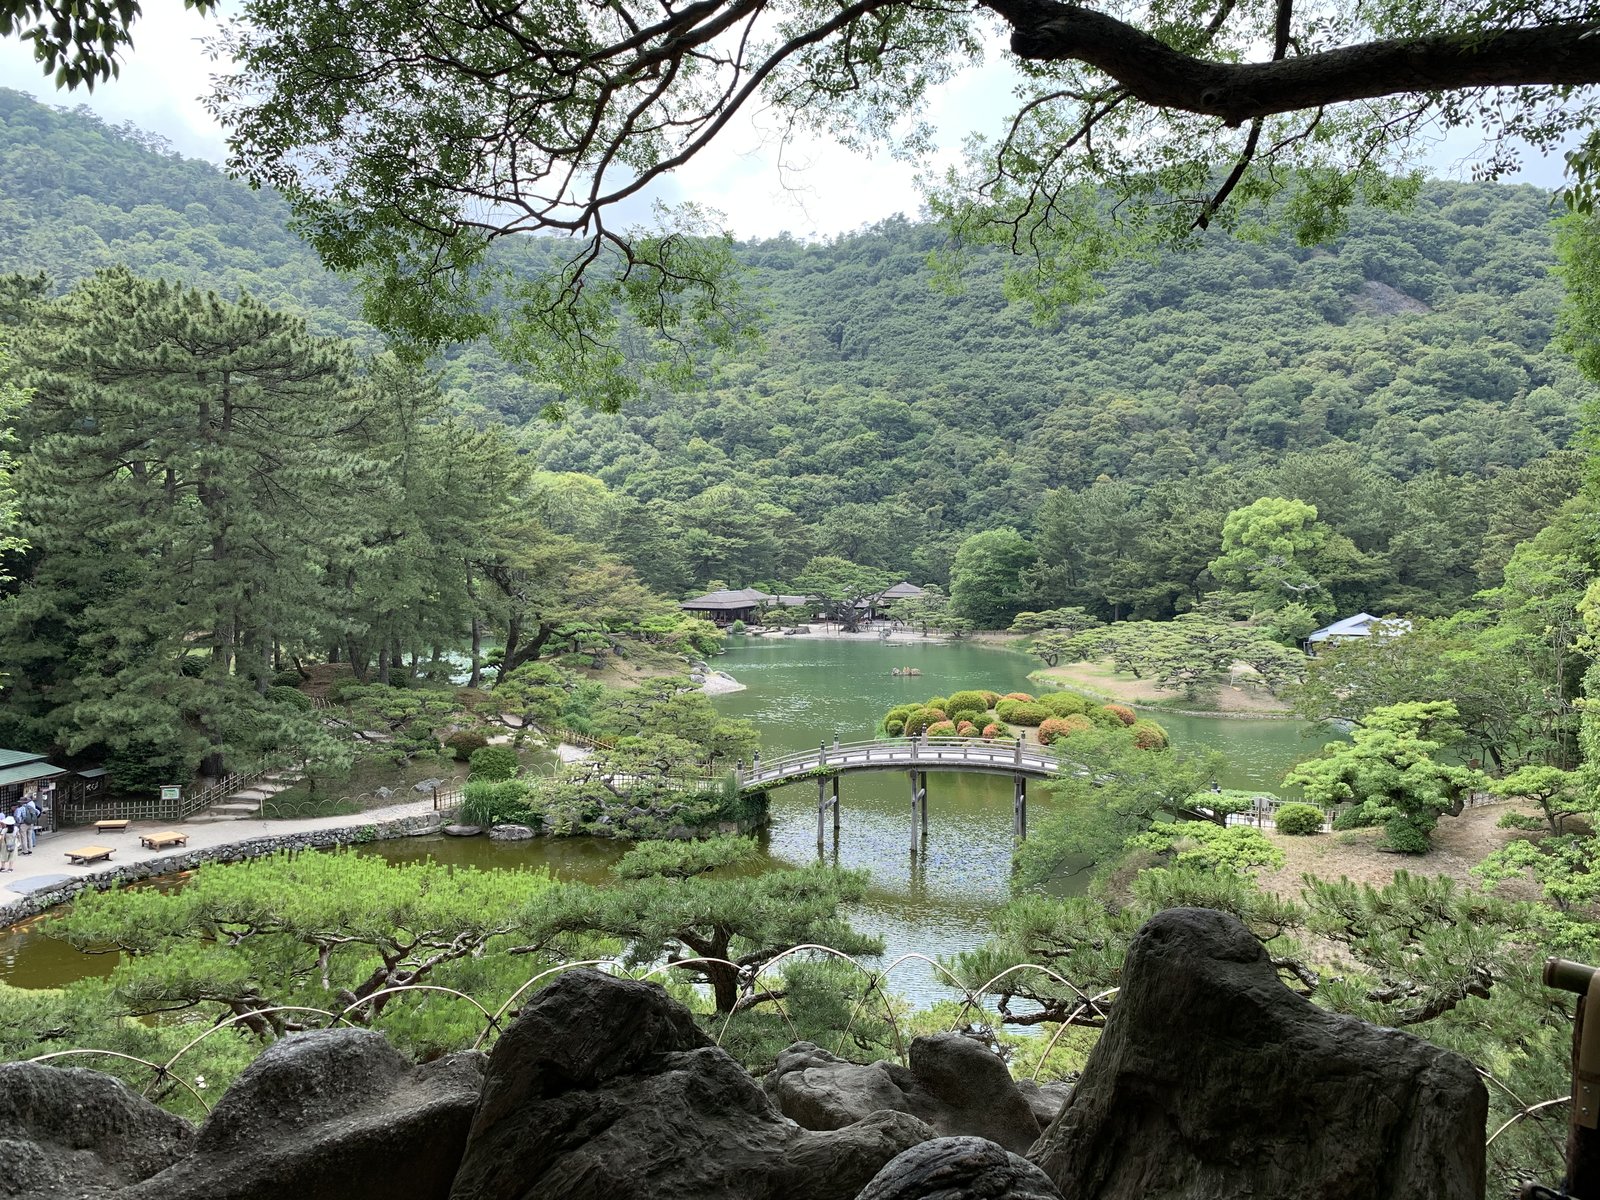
point(24, 774)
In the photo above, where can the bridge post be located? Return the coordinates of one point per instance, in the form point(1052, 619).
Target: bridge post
point(822, 785)
point(1019, 749)
point(738, 774)
point(1019, 808)
point(755, 766)
point(924, 791)
point(836, 743)
point(916, 802)
point(836, 812)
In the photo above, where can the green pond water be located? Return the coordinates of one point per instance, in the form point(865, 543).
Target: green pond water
point(800, 692)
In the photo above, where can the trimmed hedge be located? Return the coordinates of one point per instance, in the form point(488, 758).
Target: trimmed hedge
point(1147, 735)
point(966, 702)
point(463, 743)
point(1064, 704)
point(1021, 712)
point(1053, 728)
point(1016, 696)
point(942, 729)
point(1121, 712)
point(1298, 820)
point(493, 763)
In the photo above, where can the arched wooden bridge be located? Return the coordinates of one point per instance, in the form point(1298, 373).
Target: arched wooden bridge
point(915, 756)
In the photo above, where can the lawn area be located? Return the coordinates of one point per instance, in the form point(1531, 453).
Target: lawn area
point(1459, 844)
point(1101, 680)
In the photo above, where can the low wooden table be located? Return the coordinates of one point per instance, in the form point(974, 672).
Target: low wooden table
point(84, 855)
point(111, 826)
point(160, 841)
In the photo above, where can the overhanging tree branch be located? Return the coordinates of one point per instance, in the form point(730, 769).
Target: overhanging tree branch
point(1565, 54)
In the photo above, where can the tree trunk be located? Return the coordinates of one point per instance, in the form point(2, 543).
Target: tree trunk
point(475, 680)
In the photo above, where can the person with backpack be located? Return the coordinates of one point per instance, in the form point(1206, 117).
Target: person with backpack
point(27, 825)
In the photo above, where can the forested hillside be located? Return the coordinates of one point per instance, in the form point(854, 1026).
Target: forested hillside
point(1400, 379)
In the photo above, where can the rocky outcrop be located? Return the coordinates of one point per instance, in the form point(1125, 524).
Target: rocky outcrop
point(338, 1114)
point(953, 1083)
point(68, 1132)
point(1213, 1080)
point(960, 1168)
point(605, 1088)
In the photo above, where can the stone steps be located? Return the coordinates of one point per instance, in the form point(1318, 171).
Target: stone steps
point(231, 809)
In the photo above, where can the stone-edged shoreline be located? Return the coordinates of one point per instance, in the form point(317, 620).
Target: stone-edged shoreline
point(59, 890)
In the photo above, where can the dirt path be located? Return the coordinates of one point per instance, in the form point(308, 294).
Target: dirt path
point(1459, 844)
point(1099, 679)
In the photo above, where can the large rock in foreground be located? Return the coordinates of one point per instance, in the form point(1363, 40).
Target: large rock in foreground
point(68, 1132)
point(605, 1089)
point(1213, 1081)
point(960, 1168)
point(338, 1114)
point(953, 1083)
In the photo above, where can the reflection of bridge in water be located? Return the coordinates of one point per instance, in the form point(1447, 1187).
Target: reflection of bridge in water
point(916, 757)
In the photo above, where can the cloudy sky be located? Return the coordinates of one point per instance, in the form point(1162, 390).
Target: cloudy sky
point(818, 189)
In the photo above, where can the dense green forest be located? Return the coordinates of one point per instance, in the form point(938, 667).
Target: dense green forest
point(1400, 379)
point(224, 483)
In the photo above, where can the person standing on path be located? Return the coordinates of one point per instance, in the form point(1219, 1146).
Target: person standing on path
point(8, 846)
point(27, 825)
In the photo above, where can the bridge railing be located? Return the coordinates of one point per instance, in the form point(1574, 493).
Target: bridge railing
point(919, 752)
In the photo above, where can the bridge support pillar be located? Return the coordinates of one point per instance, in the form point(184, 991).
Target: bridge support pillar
point(1019, 808)
point(822, 807)
point(919, 810)
point(836, 812)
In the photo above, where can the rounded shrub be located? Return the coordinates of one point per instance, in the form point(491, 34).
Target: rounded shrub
point(894, 728)
point(990, 699)
point(918, 721)
point(1121, 712)
point(938, 702)
point(942, 729)
point(966, 702)
point(1050, 729)
point(463, 743)
point(1061, 727)
point(1298, 820)
point(493, 762)
point(1147, 735)
point(1064, 704)
point(1016, 696)
point(286, 679)
point(736, 627)
point(1020, 712)
point(900, 712)
point(937, 714)
point(966, 729)
point(1405, 837)
point(293, 697)
point(996, 730)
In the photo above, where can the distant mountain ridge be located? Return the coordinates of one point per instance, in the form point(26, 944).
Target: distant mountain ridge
point(884, 420)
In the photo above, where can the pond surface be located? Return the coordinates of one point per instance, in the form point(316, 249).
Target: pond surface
point(799, 692)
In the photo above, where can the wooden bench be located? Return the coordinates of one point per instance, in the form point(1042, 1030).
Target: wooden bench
point(111, 826)
point(84, 855)
point(160, 841)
